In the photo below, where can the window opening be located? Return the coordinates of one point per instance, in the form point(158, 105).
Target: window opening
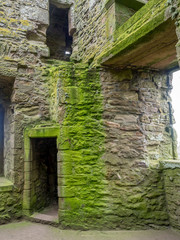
point(1, 140)
point(175, 103)
point(58, 39)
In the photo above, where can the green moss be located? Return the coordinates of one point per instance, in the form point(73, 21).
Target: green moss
point(123, 13)
point(135, 4)
point(43, 132)
point(10, 204)
point(139, 25)
point(5, 185)
point(76, 91)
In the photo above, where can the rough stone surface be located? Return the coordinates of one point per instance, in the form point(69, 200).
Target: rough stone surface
point(136, 114)
point(85, 45)
point(171, 175)
point(130, 194)
point(18, 84)
point(10, 201)
point(79, 103)
point(114, 124)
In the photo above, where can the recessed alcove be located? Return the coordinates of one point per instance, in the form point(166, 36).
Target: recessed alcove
point(58, 39)
point(6, 125)
point(119, 11)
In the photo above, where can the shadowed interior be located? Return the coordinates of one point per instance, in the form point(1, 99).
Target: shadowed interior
point(58, 39)
point(44, 173)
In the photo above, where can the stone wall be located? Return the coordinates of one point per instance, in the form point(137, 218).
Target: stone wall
point(171, 173)
point(113, 123)
point(96, 22)
point(90, 23)
point(137, 123)
point(10, 204)
point(26, 102)
point(137, 115)
point(114, 157)
point(76, 103)
point(20, 58)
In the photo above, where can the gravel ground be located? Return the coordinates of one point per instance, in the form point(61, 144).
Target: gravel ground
point(35, 231)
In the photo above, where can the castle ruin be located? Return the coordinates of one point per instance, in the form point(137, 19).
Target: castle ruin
point(86, 120)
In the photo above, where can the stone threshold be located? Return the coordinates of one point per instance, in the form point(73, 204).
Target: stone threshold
point(48, 216)
point(5, 185)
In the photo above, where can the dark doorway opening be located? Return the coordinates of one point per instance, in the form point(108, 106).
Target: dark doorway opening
point(44, 173)
point(1, 140)
point(58, 39)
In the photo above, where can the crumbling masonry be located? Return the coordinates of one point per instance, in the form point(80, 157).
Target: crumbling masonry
point(85, 112)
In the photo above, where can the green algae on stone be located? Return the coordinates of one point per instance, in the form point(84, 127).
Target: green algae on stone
point(5, 185)
point(134, 29)
point(77, 90)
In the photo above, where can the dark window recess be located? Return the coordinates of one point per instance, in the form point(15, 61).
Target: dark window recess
point(58, 39)
point(1, 140)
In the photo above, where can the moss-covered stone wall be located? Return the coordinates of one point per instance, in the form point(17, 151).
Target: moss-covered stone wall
point(96, 22)
point(76, 96)
point(113, 123)
point(10, 203)
point(133, 33)
point(109, 138)
point(171, 173)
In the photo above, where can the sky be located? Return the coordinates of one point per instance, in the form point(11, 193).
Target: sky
point(175, 95)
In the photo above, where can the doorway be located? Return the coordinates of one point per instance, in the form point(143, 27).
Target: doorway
point(44, 173)
point(41, 172)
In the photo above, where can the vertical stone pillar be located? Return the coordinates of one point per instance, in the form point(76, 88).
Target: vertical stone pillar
point(72, 27)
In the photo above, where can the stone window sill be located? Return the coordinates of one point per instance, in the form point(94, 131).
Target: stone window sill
point(170, 164)
point(5, 185)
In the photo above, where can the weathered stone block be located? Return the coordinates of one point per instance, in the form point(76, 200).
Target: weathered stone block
point(35, 14)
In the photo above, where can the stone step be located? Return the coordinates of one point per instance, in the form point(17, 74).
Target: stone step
point(48, 216)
